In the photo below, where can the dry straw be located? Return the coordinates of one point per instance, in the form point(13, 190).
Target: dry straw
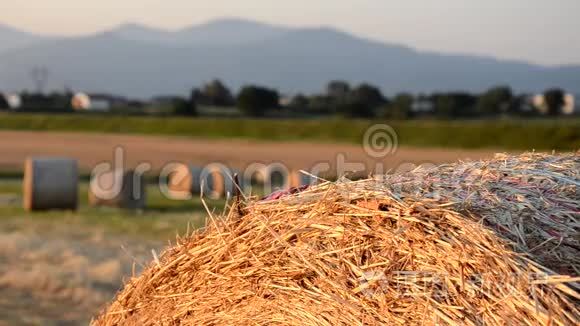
point(370, 252)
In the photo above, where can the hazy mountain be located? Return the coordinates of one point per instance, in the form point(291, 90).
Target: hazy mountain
point(11, 38)
point(140, 61)
point(219, 32)
point(142, 33)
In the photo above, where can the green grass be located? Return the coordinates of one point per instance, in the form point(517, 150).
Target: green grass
point(162, 219)
point(560, 134)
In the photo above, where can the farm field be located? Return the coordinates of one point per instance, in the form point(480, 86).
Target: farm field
point(60, 268)
point(52, 261)
point(514, 134)
point(91, 149)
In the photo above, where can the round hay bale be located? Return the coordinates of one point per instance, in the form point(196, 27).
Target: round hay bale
point(356, 253)
point(298, 179)
point(50, 183)
point(118, 188)
point(217, 180)
point(271, 178)
point(184, 179)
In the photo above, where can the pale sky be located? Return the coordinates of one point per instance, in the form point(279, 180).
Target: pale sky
point(539, 31)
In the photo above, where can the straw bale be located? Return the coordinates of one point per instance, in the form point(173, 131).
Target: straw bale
point(365, 253)
point(119, 189)
point(299, 179)
point(50, 183)
point(215, 180)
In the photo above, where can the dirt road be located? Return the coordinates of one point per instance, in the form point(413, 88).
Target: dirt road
point(91, 149)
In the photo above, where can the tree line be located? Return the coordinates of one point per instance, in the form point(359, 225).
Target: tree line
point(367, 101)
point(339, 98)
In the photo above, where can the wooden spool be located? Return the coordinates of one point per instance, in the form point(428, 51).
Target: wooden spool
point(120, 189)
point(50, 183)
point(216, 181)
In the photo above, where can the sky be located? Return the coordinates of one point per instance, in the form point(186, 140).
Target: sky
point(538, 31)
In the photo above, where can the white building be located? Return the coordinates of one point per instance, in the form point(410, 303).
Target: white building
point(422, 105)
point(85, 102)
point(14, 101)
point(570, 106)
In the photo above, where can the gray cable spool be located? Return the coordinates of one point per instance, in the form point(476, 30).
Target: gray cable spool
point(119, 189)
point(50, 183)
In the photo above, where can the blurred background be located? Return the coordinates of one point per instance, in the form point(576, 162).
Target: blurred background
point(294, 84)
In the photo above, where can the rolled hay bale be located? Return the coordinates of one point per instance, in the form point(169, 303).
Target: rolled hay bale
point(356, 253)
point(50, 183)
point(119, 189)
point(298, 179)
point(269, 178)
point(217, 180)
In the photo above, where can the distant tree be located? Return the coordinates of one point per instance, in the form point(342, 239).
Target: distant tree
point(368, 94)
point(355, 109)
point(299, 102)
point(3, 103)
point(454, 105)
point(255, 101)
point(444, 106)
point(554, 99)
point(361, 102)
point(495, 101)
point(321, 104)
point(214, 93)
point(337, 88)
point(38, 102)
point(522, 106)
point(186, 107)
point(400, 107)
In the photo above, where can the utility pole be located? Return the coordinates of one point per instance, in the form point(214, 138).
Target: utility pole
point(39, 78)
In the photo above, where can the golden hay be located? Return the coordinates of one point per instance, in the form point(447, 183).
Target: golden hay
point(360, 253)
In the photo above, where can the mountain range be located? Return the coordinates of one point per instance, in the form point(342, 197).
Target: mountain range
point(141, 61)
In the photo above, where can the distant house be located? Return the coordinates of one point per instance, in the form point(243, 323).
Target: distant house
point(422, 105)
point(10, 101)
point(538, 102)
point(285, 101)
point(165, 100)
point(571, 106)
point(96, 102)
point(525, 103)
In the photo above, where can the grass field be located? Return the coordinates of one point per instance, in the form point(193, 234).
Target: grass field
point(61, 267)
point(562, 134)
point(162, 219)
